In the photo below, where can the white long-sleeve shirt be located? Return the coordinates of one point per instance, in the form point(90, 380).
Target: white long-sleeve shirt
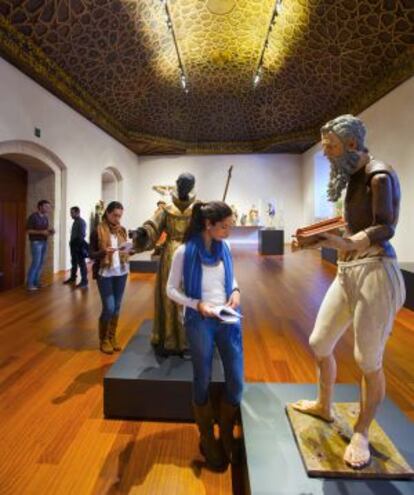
point(213, 288)
point(116, 269)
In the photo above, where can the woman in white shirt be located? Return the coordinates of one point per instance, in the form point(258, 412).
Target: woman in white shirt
point(201, 278)
point(110, 252)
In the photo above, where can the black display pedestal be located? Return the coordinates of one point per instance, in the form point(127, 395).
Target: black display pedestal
point(271, 241)
point(407, 270)
point(141, 385)
point(143, 263)
point(274, 464)
point(329, 254)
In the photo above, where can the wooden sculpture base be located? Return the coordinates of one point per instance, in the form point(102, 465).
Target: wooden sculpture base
point(322, 446)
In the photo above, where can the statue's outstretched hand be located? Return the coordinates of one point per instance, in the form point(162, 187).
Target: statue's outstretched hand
point(139, 237)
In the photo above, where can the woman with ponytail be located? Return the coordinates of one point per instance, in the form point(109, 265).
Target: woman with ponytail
point(110, 269)
point(201, 278)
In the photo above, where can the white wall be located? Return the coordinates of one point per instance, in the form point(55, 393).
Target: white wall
point(390, 138)
point(84, 149)
point(255, 178)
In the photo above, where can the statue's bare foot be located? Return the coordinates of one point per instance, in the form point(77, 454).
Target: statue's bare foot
point(314, 408)
point(357, 454)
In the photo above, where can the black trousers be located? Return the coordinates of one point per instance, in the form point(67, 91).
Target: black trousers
point(78, 260)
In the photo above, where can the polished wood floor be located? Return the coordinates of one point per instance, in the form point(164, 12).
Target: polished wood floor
point(53, 438)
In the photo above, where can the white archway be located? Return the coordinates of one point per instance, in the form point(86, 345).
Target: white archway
point(111, 185)
point(47, 173)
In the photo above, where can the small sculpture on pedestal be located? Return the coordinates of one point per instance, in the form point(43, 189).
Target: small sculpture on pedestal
point(235, 214)
point(271, 212)
point(96, 217)
point(253, 216)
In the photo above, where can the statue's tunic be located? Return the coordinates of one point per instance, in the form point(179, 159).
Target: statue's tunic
point(168, 332)
point(374, 208)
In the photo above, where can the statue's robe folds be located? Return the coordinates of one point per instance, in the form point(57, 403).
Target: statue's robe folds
point(168, 332)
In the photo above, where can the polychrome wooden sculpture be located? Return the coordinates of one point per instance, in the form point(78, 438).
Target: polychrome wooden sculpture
point(368, 289)
point(168, 335)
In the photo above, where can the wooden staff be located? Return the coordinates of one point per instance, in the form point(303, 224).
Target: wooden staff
point(228, 182)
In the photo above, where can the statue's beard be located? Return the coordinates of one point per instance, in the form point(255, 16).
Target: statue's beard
point(342, 168)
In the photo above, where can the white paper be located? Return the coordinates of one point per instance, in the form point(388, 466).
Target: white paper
point(226, 314)
point(125, 246)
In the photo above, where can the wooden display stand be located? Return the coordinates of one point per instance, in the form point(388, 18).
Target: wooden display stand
point(322, 446)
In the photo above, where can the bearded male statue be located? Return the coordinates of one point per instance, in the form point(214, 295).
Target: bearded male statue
point(368, 289)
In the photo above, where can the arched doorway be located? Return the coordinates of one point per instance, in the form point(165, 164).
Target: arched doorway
point(13, 197)
point(45, 179)
point(111, 185)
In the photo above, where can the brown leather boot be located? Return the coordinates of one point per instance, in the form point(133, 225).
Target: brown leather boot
point(210, 447)
point(104, 343)
point(113, 325)
point(228, 418)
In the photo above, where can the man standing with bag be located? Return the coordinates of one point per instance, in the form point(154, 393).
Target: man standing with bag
point(78, 249)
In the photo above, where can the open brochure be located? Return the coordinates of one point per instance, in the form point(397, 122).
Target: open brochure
point(226, 314)
point(125, 246)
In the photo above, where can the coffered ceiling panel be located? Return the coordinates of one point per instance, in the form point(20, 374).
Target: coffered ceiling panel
point(118, 62)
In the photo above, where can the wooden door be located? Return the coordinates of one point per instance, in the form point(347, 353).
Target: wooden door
point(13, 191)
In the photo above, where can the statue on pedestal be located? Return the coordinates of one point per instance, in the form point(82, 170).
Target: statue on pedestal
point(368, 289)
point(168, 335)
point(253, 216)
point(235, 214)
point(271, 212)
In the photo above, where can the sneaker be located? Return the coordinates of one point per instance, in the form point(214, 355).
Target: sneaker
point(82, 285)
point(69, 281)
point(32, 288)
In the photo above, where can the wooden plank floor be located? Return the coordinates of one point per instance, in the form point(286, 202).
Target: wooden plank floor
point(53, 438)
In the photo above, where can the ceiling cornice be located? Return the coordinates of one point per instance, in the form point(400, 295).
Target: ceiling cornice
point(20, 51)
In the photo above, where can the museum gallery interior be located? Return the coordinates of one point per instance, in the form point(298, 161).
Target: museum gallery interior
point(206, 247)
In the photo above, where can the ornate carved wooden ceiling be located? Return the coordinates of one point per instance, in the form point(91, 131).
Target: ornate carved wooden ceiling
point(115, 61)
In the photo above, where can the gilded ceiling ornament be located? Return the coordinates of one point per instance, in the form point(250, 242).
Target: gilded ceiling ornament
point(115, 62)
point(220, 7)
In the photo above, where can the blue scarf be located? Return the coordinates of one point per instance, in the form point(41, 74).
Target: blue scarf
point(197, 255)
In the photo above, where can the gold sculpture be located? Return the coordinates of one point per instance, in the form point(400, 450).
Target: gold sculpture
point(168, 335)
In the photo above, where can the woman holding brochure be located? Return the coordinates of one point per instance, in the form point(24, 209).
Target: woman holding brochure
point(202, 280)
point(110, 250)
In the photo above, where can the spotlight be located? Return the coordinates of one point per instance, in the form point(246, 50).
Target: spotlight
point(279, 7)
point(170, 27)
point(183, 81)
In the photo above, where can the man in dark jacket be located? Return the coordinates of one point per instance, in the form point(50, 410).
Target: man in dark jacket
point(78, 249)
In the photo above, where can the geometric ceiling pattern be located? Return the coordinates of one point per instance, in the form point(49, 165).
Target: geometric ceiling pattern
point(115, 61)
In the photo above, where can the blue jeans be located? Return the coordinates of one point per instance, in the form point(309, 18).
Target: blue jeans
point(38, 250)
point(111, 290)
point(202, 335)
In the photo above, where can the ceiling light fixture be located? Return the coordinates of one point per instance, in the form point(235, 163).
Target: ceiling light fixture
point(279, 7)
point(259, 72)
point(170, 26)
point(220, 7)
